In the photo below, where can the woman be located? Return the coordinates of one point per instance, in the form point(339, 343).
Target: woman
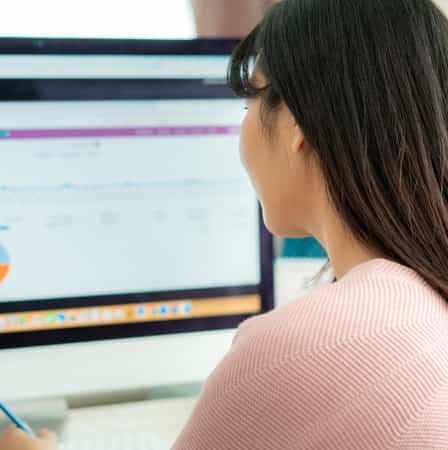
point(345, 139)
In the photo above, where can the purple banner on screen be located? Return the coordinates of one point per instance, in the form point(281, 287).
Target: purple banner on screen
point(119, 132)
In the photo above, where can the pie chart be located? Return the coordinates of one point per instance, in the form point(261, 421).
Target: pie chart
point(4, 264)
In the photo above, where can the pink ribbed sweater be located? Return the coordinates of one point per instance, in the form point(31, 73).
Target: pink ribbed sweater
point(360, 364)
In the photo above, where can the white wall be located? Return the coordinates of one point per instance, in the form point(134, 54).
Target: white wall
point(443, 4)
point(97, 18)
point(103, 18)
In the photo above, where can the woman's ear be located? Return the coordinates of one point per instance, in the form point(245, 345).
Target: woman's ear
point(298, 139)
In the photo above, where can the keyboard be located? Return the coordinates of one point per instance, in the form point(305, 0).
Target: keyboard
point(116, 441)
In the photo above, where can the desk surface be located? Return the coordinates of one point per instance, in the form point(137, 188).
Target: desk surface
point(166, 418)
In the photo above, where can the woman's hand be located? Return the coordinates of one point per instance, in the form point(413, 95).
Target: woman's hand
point(15, 439)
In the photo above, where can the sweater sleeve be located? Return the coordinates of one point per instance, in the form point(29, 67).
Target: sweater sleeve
point(255, 400)
point(361, 364)
point(352, 395)
point(235, 402)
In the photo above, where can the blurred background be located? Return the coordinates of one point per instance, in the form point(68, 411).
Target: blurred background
point(99, 18)
point(133, 18)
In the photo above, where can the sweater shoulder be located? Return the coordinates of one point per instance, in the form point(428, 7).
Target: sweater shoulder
point(343, 313)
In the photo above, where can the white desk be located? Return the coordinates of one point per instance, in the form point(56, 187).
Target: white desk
point(166, 418)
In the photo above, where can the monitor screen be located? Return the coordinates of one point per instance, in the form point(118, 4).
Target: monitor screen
point(125, 210)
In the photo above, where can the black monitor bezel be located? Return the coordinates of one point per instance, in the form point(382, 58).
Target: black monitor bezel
point(74, 46)
point(51, 46)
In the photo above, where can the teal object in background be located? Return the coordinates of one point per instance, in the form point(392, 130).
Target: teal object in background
point(302, 248)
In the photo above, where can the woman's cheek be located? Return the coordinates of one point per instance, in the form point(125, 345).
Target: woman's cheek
point(244, 143)
point(249, 138)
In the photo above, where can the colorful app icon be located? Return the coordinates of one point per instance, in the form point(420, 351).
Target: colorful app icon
point(37, 320)
point(60, 318)
point(49, 318)
point(12, 320)
point(187, 308)
point(95, 315)
point(141, 311)
point(71, 317)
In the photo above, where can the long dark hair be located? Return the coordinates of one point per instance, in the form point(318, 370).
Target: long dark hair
point(367, 82)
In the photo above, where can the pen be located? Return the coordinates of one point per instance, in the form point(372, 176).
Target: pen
point(23, 426)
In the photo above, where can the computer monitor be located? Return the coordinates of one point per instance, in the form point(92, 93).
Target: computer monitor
point(131, 241)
